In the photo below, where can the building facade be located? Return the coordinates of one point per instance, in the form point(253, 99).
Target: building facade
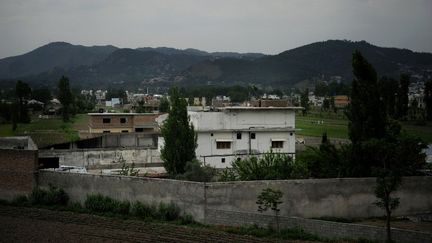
point(122, 122)
point(234, 132)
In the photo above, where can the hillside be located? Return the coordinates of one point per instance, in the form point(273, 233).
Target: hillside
point(329, 58)
point(54, 55)
point(103, 66)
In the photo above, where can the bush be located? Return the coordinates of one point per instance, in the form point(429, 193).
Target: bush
point(271, 166)
point(21, 201)
point(169, 211)
point(54, 196)
point(102, 204)
point(144, 211)
point(194, 171)
point(187, 219)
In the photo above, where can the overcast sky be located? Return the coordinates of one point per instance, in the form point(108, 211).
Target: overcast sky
point(268, 26)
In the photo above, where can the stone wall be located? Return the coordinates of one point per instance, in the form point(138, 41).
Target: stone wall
point(18, 166)
point(234, 203)
point(103, 156)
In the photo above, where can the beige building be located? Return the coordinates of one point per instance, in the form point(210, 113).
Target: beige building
point(122, 122)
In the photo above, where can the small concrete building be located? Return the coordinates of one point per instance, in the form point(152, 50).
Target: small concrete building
point(122, 122)
point(233, 132)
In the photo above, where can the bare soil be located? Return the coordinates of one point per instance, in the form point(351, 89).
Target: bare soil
point(20, 224)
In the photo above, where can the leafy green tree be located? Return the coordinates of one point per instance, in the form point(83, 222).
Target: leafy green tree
point(326, 104)
point(388, 89)
point(164, 105)
point(270, 199)
point(179, 136)
point(428, 99)
point(403, 96)
point(367, 118)
point(23, 93)
point(65, 97)
point(195, 171)
point(304, 101)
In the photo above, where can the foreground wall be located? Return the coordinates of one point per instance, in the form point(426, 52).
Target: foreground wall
point(187, 195)
point(313, 198)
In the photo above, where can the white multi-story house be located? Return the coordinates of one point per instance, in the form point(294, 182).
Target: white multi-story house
point(234, 132)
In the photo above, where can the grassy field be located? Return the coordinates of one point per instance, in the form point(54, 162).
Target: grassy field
point(336, 126)
point(48, 131)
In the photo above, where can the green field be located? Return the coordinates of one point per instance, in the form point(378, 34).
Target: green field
point(336, 126)
point(48, 131)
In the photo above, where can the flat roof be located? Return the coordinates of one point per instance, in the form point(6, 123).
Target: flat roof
point(252, 129)
point(261, 108)
point(121, 114)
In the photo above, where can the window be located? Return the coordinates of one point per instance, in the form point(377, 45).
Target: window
point(139, 129)
point(223, 160)
point(239, 135)
point(277, 144)
point(252, 135)
point(106, 120)
point(125, 131)
point(123, 120)
point(106, 131)
point(223, 145)
point(211, 134)
point(291, 133)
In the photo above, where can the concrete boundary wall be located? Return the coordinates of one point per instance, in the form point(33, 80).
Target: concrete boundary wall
point(328, 229)
point(234, 203)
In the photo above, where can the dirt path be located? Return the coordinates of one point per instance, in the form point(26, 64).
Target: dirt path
point(39, 225)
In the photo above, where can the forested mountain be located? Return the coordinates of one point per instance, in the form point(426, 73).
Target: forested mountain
point(328, 58)
point(103, 66)
point(57, 54)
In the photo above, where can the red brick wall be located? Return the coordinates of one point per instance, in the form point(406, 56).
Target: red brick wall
point(17, 172)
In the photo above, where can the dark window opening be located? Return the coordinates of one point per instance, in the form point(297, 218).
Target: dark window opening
point(125, 131)
point(239, 135)
point(252, 135)
point(48, 163)
point(223, 145)
point(139, 129)
point(277, 144)
point(291, 133)
point(123, 120)
point(106, 120)
point(106, 131)
point(223, 160)
point(211, 134)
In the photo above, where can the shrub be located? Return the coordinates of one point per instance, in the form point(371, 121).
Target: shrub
point(54, 196)
point(21, 201)
point(194, 171)
point(187, 219)
point(169, 211)
point(144, 211)
point(102, 204)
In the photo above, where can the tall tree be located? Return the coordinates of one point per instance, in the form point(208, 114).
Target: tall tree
point(23, 92)
point(367, 118)
point(388, 87)
point(65, 97)
point(403, 96)
point(304, 101)
point(179, 135)
point(428, 99)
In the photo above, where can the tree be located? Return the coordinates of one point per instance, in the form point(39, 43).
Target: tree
point(428, 99)
point(164, 105)
point(23, 92)
point(304, 101)
point(403, 96)
point(367, 118)
point(270, 198)
point(42, 95)
point(65, 97)
point(179, 136)
point(388, 88)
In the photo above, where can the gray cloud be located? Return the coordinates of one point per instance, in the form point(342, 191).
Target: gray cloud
point(223, 25)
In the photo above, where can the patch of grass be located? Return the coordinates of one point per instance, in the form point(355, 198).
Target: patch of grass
point(52, 197)
point(103, 204)
point(286, 234)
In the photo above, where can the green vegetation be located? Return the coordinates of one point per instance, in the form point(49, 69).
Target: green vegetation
point(271, 166)
point(270, 199)
point(195, 171)
point(180, 140)
point(40, 197)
